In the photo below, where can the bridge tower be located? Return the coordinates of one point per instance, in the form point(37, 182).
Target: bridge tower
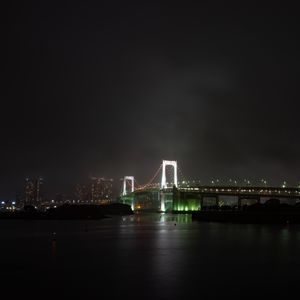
point(125, 180)
point(166, 163)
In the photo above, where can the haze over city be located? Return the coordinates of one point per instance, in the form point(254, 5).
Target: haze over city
point(112, 88)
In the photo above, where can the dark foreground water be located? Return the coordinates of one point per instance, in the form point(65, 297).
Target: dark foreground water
point(148, 257)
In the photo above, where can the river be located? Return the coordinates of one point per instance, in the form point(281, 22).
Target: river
point(148, 256)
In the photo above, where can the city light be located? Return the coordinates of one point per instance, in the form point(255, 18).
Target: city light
point(284, 185)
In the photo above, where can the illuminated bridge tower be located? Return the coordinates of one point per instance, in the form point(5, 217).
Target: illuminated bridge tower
point(166, 163)
point(163, 186)
point(125, 180)
point(129, 179)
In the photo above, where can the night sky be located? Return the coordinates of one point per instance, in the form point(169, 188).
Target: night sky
point(111, 88)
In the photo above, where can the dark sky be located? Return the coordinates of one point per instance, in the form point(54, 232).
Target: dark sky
point(111, 88)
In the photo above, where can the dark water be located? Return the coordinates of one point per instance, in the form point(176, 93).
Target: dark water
point(148, 257)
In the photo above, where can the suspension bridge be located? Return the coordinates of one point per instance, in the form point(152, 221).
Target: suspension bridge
point(171, 192)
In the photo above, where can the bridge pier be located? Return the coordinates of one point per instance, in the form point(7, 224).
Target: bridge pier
point(162, 201)
point(258, 200)
point(239, 204)
point(201, 201)
point(240, 198)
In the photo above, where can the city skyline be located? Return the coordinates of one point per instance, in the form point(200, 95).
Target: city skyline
point(118, 187)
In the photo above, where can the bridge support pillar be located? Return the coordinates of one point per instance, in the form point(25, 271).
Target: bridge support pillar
point(217, 202)
point(239, 204)
point(258, 200)
point(201, 201)
point(162, 202)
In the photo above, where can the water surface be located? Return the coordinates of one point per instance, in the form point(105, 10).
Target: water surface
point(148, 256)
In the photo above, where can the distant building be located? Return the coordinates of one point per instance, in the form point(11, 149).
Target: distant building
point(19, 200)
point(101, 190)
point(32, 191)
point(97, 191)
point(82, 193)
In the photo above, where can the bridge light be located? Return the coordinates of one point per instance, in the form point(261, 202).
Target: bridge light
point(284, 185)
point(264, 182)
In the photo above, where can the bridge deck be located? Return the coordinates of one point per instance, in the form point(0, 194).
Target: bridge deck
point(236, 191)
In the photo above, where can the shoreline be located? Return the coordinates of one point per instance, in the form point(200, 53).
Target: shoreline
point(70, 212)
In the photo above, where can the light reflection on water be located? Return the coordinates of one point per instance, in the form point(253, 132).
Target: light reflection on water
point(153, 256)
point(158, 219)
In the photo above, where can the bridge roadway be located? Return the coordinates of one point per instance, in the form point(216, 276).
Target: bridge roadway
point(245, 191)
